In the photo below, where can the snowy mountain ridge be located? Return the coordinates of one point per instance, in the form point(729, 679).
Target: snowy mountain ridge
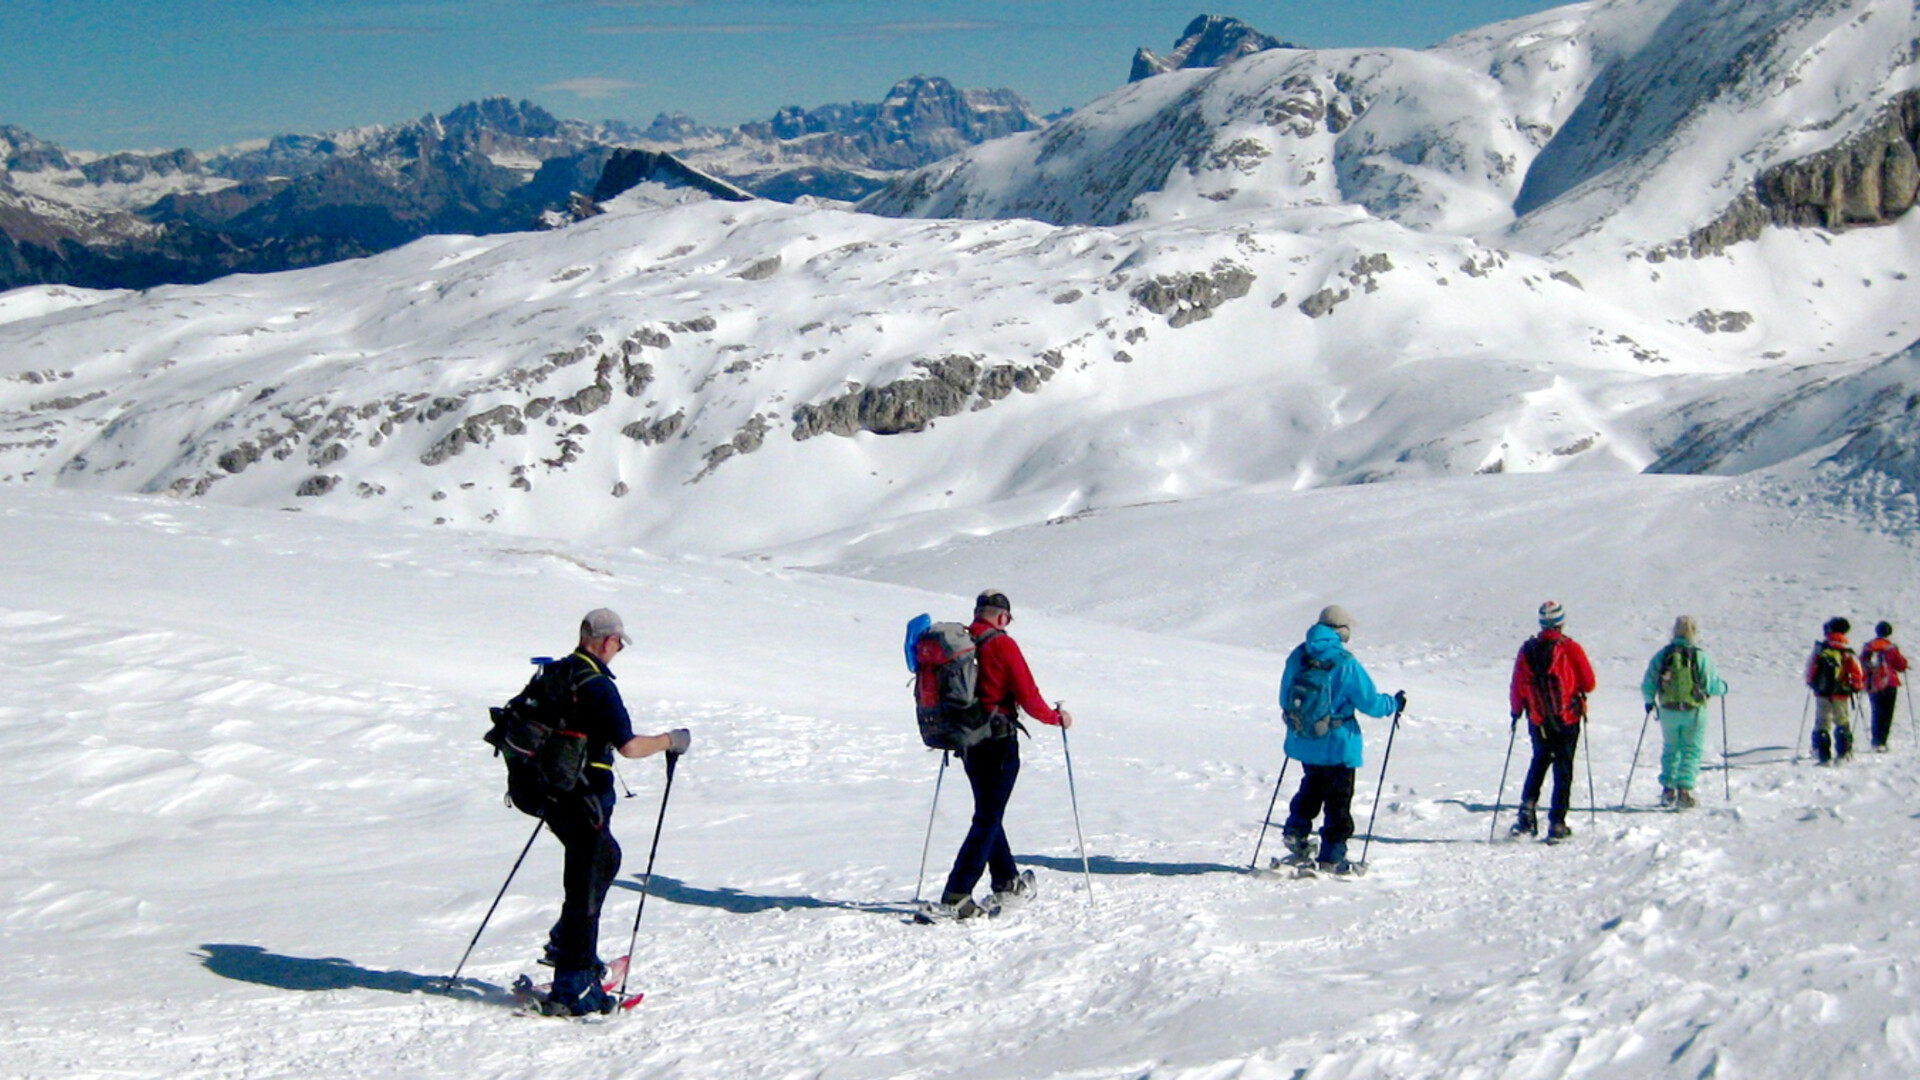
point(1326, 284)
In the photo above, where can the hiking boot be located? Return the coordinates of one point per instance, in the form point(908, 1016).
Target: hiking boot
point(1843, 742)
point(1528, 822)
point(1822, 747)
point(1683, 799)
point(1298, 846)
point(1666, 798)
point(576, 992)
point(1559, 830)
point(1016, 892)
point(1879, 748)
point(1342, 868)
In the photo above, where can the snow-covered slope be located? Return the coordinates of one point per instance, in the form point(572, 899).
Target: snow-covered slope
point(1326, 284)
point(254, 825)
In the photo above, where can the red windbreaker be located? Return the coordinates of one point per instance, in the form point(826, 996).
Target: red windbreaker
point(1571, 671)
point(1891, 665)
point(1006, 686)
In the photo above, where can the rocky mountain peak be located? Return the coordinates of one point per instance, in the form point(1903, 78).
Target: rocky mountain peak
point(503, 116)
point(1208, 41)
point(23, 151)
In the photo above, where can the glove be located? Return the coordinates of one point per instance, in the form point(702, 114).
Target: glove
point(1399, 701)
point(1649, 706)
point(678, 740)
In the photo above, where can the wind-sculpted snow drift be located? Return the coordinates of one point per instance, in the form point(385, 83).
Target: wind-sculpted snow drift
point(1304, 267)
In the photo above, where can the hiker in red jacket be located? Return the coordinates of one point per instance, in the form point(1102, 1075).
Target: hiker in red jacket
point(1834, 676)
point(1005, 687)
point(1880, 659)
point(1551, 681)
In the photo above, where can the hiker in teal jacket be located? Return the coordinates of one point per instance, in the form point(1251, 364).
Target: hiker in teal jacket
point(1679, 680)
point(1328, 760)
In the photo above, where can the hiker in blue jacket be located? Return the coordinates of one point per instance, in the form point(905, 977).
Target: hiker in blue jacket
point(1333, 687)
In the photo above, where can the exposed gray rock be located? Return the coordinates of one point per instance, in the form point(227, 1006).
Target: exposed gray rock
point(761, 269)
point(902, 406)
point(1871, 179)
point(476, 430)
point(1189, 298)
point(657, 431)
point(316, 485)
point(1721, 322)
point(1324, 301)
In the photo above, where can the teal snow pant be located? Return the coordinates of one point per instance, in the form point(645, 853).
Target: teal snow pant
point(1684, 736)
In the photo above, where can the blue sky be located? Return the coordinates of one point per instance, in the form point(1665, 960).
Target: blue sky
point(123, 74)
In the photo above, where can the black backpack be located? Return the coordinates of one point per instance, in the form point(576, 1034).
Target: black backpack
point(946, 673)
point(546, 760)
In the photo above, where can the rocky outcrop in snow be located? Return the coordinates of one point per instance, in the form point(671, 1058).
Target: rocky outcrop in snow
point(1871, 179)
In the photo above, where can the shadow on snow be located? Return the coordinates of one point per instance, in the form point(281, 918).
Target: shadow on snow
point(251, 963)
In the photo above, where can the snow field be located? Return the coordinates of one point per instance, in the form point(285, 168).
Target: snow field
point(251, 785)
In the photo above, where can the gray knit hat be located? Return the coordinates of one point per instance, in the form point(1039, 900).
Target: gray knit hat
point(1336, 616)
point(1685, 627)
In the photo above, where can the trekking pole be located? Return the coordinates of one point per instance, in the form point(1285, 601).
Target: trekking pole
point(451, 979)
point(646, 882)
point(1726, 751)
point(1910, 721)
point(1379, 787)
point(1513, 732)
point(1800, 736)
point(1625, 791)
point(1074, 795)
point(1593, 813)
point(920, 882)
point(1265, 821)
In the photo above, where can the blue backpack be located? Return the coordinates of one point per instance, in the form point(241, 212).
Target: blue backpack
point(1309, 706)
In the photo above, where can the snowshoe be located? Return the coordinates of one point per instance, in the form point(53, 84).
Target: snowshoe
point(1683, 799)
point(963, 908)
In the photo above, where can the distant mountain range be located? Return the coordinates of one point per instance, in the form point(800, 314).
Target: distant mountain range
point(133, 220)
point(1621, 236)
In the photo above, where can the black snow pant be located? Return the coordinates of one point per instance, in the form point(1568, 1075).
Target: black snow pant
point(1882, 702)
point(592, 864)
point(992, 768)
point(1553, 749)
point(1326, 788)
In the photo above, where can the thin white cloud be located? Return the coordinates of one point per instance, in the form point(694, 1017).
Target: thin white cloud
point(592, 87)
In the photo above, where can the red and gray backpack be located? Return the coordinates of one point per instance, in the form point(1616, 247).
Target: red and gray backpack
point(944, 659)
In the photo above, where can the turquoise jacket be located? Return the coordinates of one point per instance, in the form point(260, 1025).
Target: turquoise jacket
point(1352, 691)
point(1710, 676)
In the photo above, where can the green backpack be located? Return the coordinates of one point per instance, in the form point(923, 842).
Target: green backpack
point(1683, 686)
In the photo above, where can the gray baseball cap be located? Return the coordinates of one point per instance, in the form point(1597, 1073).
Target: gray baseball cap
point(602, 623)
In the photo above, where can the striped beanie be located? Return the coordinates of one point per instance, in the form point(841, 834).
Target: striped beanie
point(1552, 614)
